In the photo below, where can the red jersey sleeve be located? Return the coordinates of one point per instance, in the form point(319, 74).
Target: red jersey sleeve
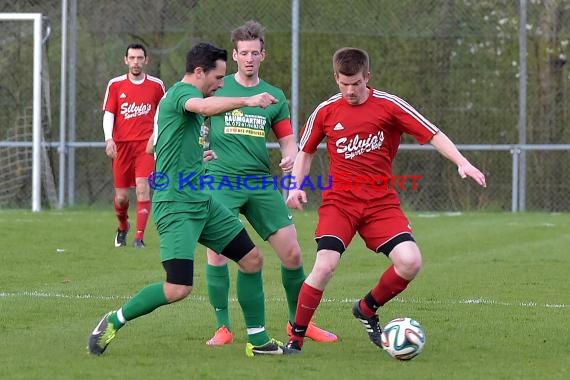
point(110, 100)
point(313, 131)
point(411, 121)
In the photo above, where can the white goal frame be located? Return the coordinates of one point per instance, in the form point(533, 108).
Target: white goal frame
point(37, 105)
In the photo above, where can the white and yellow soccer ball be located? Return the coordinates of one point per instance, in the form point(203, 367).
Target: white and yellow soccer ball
point(403, 338)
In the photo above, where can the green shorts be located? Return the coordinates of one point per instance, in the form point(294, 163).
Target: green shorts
point(263, 208)
point(181, 225)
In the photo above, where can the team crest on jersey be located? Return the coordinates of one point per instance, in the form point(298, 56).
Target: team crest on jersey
point(239, 123)
point(356, 145)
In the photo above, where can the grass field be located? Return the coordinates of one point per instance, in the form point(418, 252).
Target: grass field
point(493, 297)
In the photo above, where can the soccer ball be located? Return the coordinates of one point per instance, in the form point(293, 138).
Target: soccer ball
point(403, 338)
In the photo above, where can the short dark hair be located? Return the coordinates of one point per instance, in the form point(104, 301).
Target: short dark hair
point(350, 61)
point(135, 46)
point(250, 31)
point(204, 55)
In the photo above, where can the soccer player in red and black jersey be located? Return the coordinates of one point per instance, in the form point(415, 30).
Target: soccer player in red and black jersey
point(363, 127)
point(130, 105)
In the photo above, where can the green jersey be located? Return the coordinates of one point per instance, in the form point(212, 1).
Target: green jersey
point(238, 137)
point(179, 156)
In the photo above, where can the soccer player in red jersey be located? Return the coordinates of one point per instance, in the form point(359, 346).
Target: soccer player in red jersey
point(363, 127)
point(130, 104)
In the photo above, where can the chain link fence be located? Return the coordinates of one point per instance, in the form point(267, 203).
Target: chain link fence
point(455, 61)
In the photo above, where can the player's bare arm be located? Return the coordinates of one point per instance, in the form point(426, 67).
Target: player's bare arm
point(301, 168)
point(447, 148)
point(150, 144)
point(214, 105)
point(289, 151)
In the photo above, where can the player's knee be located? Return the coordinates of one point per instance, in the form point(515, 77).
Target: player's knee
point(410, 266)
point(175, 292)
point(215, 259)
point(121, 199)
point(291, 257)
point(407, 262)
point(142, 192)
point(323, 271)
point(252, 262)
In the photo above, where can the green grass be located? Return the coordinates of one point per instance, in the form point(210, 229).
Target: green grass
point(493, 297)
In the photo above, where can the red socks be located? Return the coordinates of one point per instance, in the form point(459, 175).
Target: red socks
point(308, 301)
point(389, 286)
point(143, 212)
point(122, 215)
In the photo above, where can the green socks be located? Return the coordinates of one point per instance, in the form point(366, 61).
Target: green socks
point(252, 301)
point(292, 281)
point(149, 298)
point(218, 283)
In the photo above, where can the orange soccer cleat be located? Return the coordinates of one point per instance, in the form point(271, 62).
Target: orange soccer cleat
point(315, 333)
point(221, 336)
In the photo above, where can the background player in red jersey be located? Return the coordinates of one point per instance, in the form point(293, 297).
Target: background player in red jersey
point(130, 104)
point(363, 127)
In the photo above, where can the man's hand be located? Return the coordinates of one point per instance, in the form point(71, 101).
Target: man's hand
point(468, 170)
point(286, 164)
point(111, 149)
point(209, 155)
point(296, 199)
point(262, 100)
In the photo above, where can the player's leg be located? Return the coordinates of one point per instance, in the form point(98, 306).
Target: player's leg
point(124, 179)
point(144, 165)
point(387, 230)
point(334, 232)
point(178, 236)
point(283, 242)
point(271, 219)
point(218, 284)
point(224, 233)
point(121, 205)
point(218, 277)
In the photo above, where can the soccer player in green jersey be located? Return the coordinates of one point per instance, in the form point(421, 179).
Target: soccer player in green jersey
point(242, 179)
point(185, 215)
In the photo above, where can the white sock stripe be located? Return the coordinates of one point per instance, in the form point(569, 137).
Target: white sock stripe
point(255, 330)
point(120, 316)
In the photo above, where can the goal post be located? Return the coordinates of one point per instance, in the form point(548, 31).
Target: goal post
point(36, 18)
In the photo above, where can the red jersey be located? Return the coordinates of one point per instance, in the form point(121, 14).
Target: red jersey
point(362, 140)
point(133, 105)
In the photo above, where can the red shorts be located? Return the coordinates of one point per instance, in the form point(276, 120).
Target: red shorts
point(375, 215)
point(131, 162)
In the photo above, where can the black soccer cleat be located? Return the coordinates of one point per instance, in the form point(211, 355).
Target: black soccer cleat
point(371, 324)
point(138, 243)
point(273, 347)
point(101, 336)
point(294, 346)
point(121, 238)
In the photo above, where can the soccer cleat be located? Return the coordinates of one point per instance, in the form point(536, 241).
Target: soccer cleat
point(222, 336)
point(121, 237)
point(372, 324)
point(294, 344)
point(138, 243)
point(273, 347)
point(315, 333)
point(101, 336)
